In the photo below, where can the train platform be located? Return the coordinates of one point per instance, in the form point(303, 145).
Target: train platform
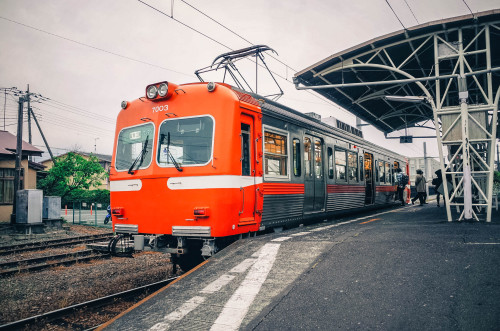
point(391, 269)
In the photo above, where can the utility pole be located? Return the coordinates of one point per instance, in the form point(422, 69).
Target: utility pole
point(19, 151)
point(4, 107)
point(29, 116)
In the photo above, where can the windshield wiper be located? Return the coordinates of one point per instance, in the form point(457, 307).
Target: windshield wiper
point(139, 157)
point(169, 153)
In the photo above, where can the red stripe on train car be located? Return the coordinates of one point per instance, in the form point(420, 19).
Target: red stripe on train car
point(385, 189)
point(279, 188)
point(345, 189)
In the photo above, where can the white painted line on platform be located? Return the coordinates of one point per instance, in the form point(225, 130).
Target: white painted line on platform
point(237, 306)
point(243, 266)
point(300, 234)
point(351, 221)
point(482, 243)
point(281, 239)
point(218, 284)
point(178, 314)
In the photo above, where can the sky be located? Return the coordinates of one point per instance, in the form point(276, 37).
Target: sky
point(85, 57)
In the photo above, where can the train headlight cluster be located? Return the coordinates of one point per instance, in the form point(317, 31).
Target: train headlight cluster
point(161, 90)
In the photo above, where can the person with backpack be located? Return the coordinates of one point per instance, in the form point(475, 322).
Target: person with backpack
point(401, 180)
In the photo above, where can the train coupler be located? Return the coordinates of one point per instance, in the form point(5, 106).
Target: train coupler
point(209, 248)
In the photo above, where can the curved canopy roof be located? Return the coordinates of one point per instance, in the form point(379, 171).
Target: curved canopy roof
point(422, 61)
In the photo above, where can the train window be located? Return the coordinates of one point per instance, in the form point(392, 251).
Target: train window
point(387, 173)
point(307, 157)
point(352, 162)
point(245, 149)
point(340, 165)
point(330, 163)
point(361, 173)
point(134, 148)
point(275, 154)
point(318, 158)
point(187, 141)
point(381, 172)
point(296, 157)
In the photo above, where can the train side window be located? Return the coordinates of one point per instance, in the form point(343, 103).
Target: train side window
point(387, 173)
point(381, 172)
point(275, 154)
point(245, 149)
point(330, 163)
point(307, 157)
point(296, 157)
point(361, 173)
point(318, 158)
point(376, 172)
point(353, 166)
point(340, 165)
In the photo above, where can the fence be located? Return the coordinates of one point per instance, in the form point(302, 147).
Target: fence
point(86, 213)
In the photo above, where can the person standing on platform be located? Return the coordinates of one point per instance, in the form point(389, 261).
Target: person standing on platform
point(401, 181)
point(420, 183)
point(437, 182)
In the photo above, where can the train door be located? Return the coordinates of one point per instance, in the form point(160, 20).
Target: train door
point(248, 187)
point(314, 177)
point(369, 179)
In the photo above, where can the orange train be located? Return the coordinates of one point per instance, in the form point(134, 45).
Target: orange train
point(196, 166)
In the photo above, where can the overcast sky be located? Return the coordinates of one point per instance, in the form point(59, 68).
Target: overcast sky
point(88, 56)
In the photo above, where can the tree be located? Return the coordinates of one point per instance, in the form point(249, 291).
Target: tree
point(71, 174)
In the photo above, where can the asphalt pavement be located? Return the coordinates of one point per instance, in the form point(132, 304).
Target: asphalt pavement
point(402, 268)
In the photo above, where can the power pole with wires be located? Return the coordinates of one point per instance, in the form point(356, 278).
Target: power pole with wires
point(19, 151)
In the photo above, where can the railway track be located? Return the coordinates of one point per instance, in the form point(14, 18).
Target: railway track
point(39, 263)
point(52, 243)
point(88, 305)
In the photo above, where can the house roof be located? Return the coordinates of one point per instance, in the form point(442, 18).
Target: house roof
point(8, 143)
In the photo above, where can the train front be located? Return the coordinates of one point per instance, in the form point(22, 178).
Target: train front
point(177, 168)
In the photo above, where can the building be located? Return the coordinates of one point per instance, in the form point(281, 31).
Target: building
point(29, 170)
point(104, 161)
point(419, 163)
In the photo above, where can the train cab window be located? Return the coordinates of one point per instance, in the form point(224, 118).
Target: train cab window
point(275, 154)
point(245, 149)
point(352, 163)
point(330, 163)
point(296, 157)
point(307, 157)
point(185, 141)
point(340, 165)
point(381, 172)
point(318, 158)
point(134, 147)
point(387, 173)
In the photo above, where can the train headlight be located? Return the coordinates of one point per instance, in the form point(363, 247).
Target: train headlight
point(163, 89)
point(151, 92)
point(124, 104)
point(211, 87)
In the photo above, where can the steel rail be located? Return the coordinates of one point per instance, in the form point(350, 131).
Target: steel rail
point(52, 315)
point(5, 250)
point(88, 255)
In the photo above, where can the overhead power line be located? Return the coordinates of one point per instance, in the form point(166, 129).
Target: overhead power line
point(96, 48)
point(387, 1)
point(415, 17)
point(278, 75)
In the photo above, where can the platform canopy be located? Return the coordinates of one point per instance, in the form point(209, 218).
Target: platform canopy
point(388, 81)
